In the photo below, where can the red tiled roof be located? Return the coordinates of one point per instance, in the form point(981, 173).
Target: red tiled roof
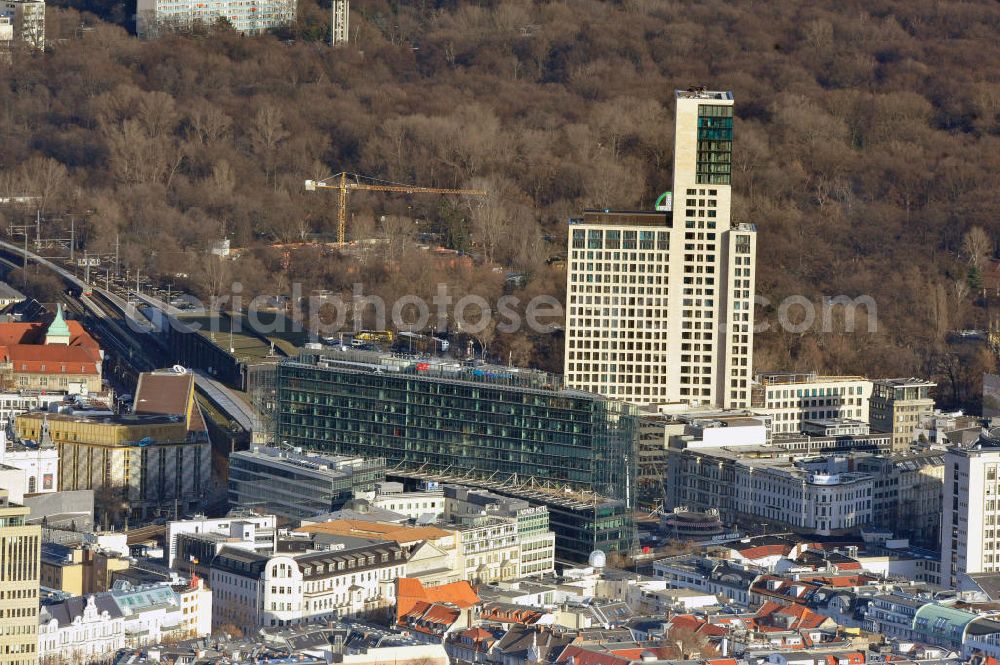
point(802, 616)
point(663, 653)
point(430, 618)
point(408, 586)
point(19, 333)
point(477, 634)
point(410, 591)
point(582, 656)
point(23, 345)
point(598, 655)
point(441, 614)
point(521, 615)
point(695, 625)
point(762, 551)
point(52, 352)
point(33, 334)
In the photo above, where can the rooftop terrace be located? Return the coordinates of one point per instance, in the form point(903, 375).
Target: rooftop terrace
point(377, 362)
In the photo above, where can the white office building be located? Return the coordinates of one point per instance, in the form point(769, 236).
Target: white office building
point(250, 17)
point(660, 304)
point(970, 510)
point(819, 495)
point(425, 504)
point(15, 403)
point(535, 554)
point(754, 484)
point(792, 398)
point(255, 532)
point(251, 591)
point(38, 463)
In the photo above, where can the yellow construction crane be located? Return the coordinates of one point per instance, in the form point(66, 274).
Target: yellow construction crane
point(352, 181)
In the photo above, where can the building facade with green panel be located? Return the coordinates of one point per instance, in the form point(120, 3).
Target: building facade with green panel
point(506, 426)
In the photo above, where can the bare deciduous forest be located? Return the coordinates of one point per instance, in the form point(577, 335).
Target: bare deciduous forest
point(867, 151)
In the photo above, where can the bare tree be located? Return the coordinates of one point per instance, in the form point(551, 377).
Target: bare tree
point(397, 232)
point(208, 124)
point(490, 214)
point(961, 290)
point(266, 133)
point(43, 177)
point(975, 244)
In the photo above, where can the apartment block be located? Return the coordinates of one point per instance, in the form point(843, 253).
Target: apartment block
point(27, 21)
point(250, 17)
point(970, 514)
point(91, 628)
point(752, 484)
point(646, 289)
point(432, 553)
point(80, 569)
point(792, 398)
point(898, 406)
point(20, 554)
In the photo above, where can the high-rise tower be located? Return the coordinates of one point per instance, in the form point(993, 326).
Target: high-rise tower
point(660, 304)
point(20, 554)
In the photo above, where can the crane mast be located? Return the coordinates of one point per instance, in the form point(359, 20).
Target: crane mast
point(343, 185)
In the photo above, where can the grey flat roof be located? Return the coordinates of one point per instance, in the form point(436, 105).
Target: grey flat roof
point(696, 92)
point(8, 292)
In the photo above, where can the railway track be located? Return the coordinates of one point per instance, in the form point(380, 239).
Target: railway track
point(126, 333)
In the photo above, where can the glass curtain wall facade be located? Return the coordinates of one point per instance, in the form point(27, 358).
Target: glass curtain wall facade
point(715, 144)
point(289, 488)
point(481, 423)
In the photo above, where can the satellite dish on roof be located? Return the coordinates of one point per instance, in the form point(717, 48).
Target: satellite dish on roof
point(597, 559)
point(179, 369)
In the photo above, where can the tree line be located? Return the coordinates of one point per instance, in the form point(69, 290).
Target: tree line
point(867, 150)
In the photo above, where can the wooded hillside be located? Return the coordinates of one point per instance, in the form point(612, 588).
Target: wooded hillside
point(867, 148)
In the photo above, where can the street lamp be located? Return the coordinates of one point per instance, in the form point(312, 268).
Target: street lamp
point(482, 344)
